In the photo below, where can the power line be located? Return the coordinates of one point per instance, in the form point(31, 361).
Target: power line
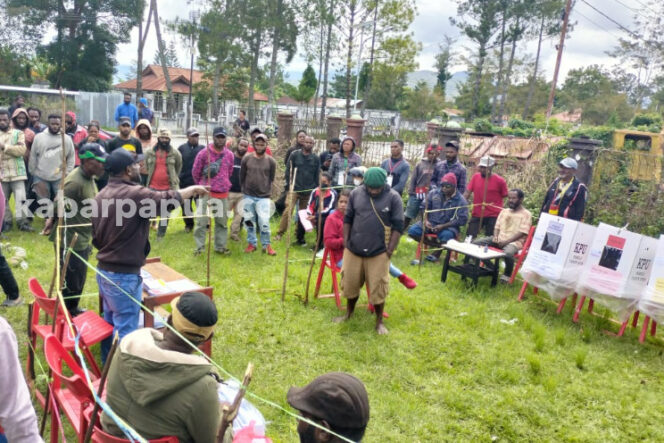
point(601, 28)
point(635, 11)
point(610, 19)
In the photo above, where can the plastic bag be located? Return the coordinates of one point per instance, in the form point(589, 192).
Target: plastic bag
point(247, 412)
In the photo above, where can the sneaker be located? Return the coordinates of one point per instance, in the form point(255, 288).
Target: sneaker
point(268, 249)
point(505, 279)
point(26, 228)
point(235, 237)
point(320, 253)
point(432, 258)
point(250, 248)
point(223, 251)
point(198, 251)
point(414, 262)
point(408, 282)
point(10, 303)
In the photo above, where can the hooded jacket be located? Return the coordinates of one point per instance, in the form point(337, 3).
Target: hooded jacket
point(173, 165)
point(149, 143)
point(160, 392)
point(29, 133)
point(220, 183)
point(12, 165)
point(341, 164)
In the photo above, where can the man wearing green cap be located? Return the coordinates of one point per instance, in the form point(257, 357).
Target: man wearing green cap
point(79, 192)
point(372, 226)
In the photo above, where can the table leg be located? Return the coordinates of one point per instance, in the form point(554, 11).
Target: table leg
point(446, 266)
point(476, 272)
point(494, 277)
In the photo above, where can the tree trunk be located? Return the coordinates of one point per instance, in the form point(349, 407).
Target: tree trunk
point(320, 68)
point(327, 65)
point(349, 59)
point(276, 30)
point(478, 80)
point(215, 90)
point(508, 74)
point(142, 36)
point(533, 80)
point(170, 107)
point(256, 46)
point(367, 85)
point(499, 80)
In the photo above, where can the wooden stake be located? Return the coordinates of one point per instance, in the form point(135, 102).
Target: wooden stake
point(424, 224)
point(288, 233)
point(229, 413)
point(319, 235)
point(207, 209)
point(486, 186)
point(100, 391)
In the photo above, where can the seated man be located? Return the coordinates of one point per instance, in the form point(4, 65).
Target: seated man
point(159, 386)
point(448, 213)
point(511, 230)
point(336, 401)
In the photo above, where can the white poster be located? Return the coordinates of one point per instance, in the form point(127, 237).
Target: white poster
point(609, 266)
point(652, 301)
point(557, 254)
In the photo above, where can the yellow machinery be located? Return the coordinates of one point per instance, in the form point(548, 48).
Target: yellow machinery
point(645, 150)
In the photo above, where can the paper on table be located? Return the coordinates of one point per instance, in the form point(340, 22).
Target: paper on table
point(302, 214)
point(182, 285)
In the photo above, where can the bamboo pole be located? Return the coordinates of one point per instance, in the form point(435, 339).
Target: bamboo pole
point(288, 232)
point(207, 209)
point(229, 413)
point(424, 228)
point(319, 235)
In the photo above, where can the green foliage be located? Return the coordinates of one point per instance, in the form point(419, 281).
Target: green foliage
point(307, 87)
point(338, 85)
point(603, 133)
point(483, 125)
point(651, 121)
point(422, 103)
point(83, 49)
point(389, 75)
point(171, 55)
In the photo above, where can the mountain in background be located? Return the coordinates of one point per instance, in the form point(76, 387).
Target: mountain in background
point(452, 89)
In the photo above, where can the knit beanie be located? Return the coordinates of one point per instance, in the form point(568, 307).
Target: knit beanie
point(375, 177)
point(449, 178)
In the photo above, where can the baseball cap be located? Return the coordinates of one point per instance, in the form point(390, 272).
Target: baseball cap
point(219, 130)
point(119, 159)
point(143, 101)
point(93, 150)
point(262, 137)
point(164, 132)
point(255, 129)
point(124, 121)
point(569, 163)
point(192, 131)
point(452, 144)
point(194, 315)
point(336, 397)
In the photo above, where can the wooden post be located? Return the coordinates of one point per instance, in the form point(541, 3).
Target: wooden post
point(100, 391)
point(229, 413)
point(424, 228)
point(288, 232)
point(207, 208)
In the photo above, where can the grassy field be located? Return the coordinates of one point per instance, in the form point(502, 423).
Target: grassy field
point(459, 364)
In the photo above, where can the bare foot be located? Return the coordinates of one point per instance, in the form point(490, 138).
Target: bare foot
point(381, 329)
point(340, 319)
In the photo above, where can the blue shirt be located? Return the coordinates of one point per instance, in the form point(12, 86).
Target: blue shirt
point(127, 110)
point(147, 114)
point(458, 216)
point(399, 170)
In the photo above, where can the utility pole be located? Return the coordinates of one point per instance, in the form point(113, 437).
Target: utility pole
point(193, 15)
point(561, 44)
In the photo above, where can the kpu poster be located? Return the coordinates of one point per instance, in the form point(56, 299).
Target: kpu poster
point(652, 301)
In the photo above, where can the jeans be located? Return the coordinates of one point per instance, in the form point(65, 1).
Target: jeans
point(218, 210)
point(18, 189)
point(44, 188)
point(119, 310)
point(444, 236)
point(394, 271)
point(256, 212)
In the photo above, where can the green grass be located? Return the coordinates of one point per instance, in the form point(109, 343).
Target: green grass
point(449, 370)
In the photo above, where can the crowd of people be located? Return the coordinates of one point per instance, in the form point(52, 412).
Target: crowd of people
point(357, 213)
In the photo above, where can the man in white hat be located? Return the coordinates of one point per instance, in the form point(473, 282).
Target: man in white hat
point(566, 197)
point(488, 190)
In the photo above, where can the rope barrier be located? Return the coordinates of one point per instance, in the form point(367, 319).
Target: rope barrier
point(204, 355)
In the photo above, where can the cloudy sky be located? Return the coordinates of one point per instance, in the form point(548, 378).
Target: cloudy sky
point(591, 37)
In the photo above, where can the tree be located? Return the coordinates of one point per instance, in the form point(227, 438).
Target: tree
point(397, 59)
point(443, 63)
point(422, 103)
point(477, 21)
point(284, 31)
point(142, 37)
point(642, 51)
point(171, 55)
point(170, 99)
point(340, 83)
point(87, 35)
point(307, 87)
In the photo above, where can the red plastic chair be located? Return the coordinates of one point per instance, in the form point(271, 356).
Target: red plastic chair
point(429, 240)
point(92, 327)
point(521, 255)
point(70, 394)
point(100, 436)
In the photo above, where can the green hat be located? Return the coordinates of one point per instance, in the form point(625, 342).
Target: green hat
point(375, 177)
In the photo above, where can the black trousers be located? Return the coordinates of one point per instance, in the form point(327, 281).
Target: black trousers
point(75, 275)
point(189, 222)
point(7, 280)
point(488, 223)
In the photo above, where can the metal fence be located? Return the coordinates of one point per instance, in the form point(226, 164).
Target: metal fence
point(98, 106)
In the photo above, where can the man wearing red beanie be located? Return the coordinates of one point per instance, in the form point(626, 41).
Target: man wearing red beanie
point(447, 213)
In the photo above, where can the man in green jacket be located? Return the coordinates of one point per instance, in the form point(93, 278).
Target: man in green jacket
point(159, 386)
point(163, 164)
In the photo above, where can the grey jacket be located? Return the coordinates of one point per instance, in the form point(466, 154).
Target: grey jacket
point(46, 156)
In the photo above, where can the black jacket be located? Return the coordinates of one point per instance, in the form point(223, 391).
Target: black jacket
point(572, 204)
point(188, 153)
point(308, 168)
